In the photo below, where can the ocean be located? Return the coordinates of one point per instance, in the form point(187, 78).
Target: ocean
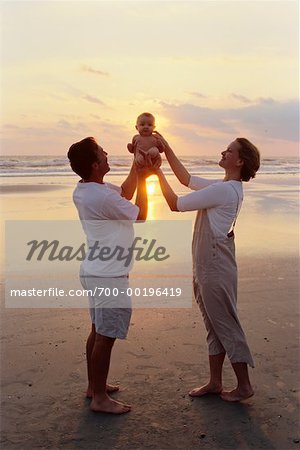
point(35, 166)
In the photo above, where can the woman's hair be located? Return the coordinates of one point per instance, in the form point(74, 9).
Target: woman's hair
point(250, 156)
point(82, 155)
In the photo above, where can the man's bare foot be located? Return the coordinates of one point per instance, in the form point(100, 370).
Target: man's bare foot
point(109, 388)
point(237, 395)
point(206, 389)
point(110, 406)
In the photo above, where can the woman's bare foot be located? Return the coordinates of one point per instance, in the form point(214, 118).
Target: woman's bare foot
point(237, 395)
point(112, 388)
point(110, 406)
point(208, 388)
point(109, 388)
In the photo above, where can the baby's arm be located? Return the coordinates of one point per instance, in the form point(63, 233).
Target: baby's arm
point(131, 147)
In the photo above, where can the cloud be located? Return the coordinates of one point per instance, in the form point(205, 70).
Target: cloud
point(64, 131)
point(86, 68)
point(67, 88)
point(113, 127)
point(93, 99)
point(10, 126)
point(241, 98)
point(66, 126)
point(278, 120)
point(266, 101)
point(189, 135)
point(266, 118)
point(71, 92)
point(196, 115)
point(198, 94)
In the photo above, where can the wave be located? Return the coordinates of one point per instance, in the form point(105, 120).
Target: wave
point(55, 166)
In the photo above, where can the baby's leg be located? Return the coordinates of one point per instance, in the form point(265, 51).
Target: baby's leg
point(149, 158)
point(140, 159)
point(155, 157)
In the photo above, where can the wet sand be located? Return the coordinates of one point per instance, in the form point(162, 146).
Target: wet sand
point(43, 369)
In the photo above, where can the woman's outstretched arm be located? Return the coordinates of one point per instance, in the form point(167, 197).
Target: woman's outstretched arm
point(178, 168)
point(167, 191)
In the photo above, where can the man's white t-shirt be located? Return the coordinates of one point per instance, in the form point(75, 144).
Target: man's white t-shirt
point(221, 199)
point(107, 220)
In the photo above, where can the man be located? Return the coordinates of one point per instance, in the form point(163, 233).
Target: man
point(107, 218)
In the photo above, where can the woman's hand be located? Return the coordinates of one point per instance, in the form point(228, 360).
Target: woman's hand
point(162, 141)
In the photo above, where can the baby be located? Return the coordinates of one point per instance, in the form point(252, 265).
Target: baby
point(145, 145)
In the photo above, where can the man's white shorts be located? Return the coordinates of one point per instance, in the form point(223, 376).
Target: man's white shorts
point(110, 304)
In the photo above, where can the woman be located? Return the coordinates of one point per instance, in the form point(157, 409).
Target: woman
point(214, 265)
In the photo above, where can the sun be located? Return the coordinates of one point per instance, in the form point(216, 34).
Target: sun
point(151, 185)
point(151, 188)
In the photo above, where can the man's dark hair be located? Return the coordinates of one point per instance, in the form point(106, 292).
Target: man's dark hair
point(250, 155)
point(82, 155)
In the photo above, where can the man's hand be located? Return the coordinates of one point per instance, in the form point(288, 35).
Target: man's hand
point(144, 172)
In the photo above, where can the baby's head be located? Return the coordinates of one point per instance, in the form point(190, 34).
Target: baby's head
point(145, 124)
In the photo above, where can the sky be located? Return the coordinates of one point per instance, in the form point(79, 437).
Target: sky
point(210, 71)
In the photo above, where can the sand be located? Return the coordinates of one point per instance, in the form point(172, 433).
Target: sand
point(43, 369)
